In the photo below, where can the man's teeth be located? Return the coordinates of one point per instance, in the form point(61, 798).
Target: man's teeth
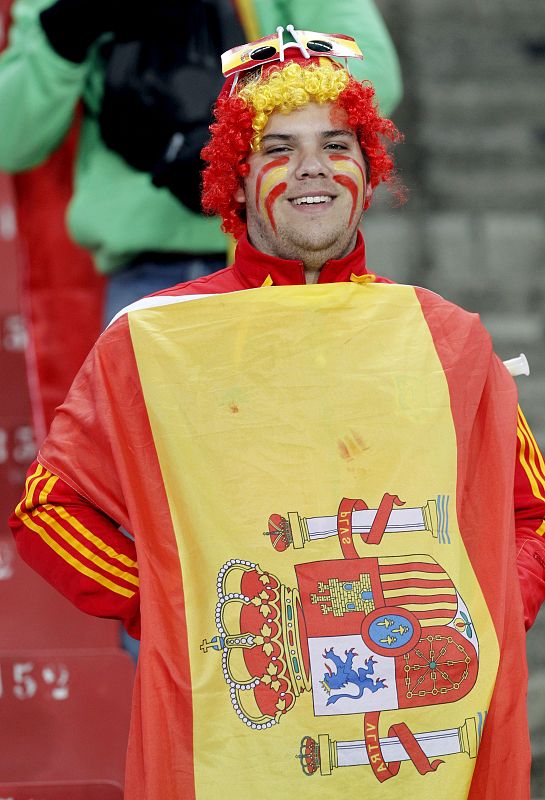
point(321, 199)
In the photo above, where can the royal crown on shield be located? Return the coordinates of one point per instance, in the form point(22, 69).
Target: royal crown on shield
point(260, 627)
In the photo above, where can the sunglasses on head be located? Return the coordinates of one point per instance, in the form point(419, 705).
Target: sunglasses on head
point(273, 48)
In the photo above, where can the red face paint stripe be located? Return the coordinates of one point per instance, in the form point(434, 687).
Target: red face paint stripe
point(278, 162)
point(338, 157)
point(272, 197)
point(352, 187)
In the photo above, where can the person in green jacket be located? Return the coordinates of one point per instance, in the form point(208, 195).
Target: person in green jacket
point(140, 235)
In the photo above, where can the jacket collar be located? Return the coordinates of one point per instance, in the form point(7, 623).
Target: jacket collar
point(254, 268)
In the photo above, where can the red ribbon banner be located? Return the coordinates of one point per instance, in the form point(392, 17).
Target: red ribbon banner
point(381, 769)
point(344, 522)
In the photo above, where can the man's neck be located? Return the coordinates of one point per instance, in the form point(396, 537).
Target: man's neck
point(313, 261)
point(312, 275)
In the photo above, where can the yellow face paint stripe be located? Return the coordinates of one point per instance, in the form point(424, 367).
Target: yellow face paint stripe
point(78, 566)
point(271, 179)
point(85, 532)
point(84, 551)
point(347, 166)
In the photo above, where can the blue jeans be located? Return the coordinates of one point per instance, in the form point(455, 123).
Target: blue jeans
point(152, 272)
point(145, 275)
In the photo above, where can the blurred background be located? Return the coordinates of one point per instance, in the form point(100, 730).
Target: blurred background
point(473, 230)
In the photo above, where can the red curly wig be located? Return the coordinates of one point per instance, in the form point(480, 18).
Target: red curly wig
point(237, 131)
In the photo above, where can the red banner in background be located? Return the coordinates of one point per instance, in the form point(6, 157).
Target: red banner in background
point(60, 299)
point(62, 294)
point(16, 437)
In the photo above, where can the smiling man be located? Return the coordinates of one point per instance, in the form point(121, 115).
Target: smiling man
point(307, 188)
point(329, 483)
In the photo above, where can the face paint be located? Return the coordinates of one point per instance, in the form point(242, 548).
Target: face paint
point(270, 185)
point(352, 178)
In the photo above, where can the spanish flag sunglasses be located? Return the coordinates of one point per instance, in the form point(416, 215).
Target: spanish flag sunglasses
point(273, 48)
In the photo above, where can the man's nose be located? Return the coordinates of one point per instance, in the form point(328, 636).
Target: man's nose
point(312, 164)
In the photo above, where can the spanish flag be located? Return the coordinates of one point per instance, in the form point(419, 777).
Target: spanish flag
point(319, 480)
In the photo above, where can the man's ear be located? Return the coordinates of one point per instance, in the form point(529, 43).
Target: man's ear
point(240, 195)
point(368, 196)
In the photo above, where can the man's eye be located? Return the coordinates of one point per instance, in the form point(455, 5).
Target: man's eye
point(281, 148)
point(336, 146)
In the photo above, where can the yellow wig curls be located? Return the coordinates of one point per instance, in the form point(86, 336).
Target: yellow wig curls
point(290, 88)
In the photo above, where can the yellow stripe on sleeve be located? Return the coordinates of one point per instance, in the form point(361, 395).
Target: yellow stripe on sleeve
point(50, 483)
point(84, 551)
point(31, 483)
point(540, 461)
point(91, 537)
point(42, 533)
point(530, 457)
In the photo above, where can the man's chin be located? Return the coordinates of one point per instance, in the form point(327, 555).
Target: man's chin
point(318, 241)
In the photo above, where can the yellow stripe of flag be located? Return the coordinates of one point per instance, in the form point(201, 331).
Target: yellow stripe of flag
point(402, 576)
point(428, 623)
point(388, 560)
point(416, 591)
point(437, 607)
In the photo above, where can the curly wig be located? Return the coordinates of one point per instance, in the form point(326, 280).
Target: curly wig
point(242, 118)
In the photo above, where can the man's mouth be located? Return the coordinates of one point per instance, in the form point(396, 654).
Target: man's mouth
point(320, 199)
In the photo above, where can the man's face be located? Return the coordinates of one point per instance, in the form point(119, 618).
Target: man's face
point(307, 186)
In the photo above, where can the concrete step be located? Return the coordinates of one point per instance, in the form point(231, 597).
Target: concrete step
point(472, 40)
point(450, 185)
point(470, 101)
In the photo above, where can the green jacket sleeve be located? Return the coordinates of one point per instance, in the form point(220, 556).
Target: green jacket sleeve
point(358, 18)
point(38, 91)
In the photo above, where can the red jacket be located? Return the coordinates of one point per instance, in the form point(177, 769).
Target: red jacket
point(103, 580)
